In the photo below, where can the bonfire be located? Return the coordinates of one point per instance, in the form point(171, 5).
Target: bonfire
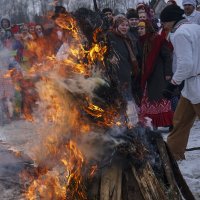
point(86, 150)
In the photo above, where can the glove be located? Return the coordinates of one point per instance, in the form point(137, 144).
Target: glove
point(170, 91)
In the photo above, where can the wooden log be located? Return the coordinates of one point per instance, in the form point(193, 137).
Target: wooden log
point(173, 188)
point(130, 187)
point(142, 185)
point(185, 190)
point(111, 182)
point(93, 188)
point(150, 187)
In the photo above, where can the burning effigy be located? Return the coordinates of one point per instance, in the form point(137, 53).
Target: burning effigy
point(87, 149)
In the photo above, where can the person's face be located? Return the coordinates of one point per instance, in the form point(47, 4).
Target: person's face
point(168, 25)
point(141, 30)
point(32, 29)
point(109, 15)
point(142, 16)
point(133, 22)
point(188, 9)
point(38, 29)
point(25, 29)
point(152, 12)
point(5, 23)
point(123, 27)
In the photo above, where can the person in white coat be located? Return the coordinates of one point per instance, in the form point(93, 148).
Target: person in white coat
point(191, 14)
point(185, 38)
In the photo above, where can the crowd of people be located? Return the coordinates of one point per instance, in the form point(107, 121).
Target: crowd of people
point(21, 46)
point(152, 60)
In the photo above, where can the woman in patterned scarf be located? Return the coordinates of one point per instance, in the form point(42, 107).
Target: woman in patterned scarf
point(156, 71)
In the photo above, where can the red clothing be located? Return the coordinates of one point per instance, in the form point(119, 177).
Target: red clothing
point(152, 44)
point(159, 111)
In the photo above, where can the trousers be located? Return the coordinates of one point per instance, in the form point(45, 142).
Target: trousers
point(183, 120)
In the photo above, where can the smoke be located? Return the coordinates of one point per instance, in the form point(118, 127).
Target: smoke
point(58, 112)
point(5, 58)
point(80, 85)
point(72, 5)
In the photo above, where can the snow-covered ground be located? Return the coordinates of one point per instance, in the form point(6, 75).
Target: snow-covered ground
point(16, 137)
point(190, 167)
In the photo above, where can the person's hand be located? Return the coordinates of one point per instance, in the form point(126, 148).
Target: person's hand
point(169, 91)
point(167, 78)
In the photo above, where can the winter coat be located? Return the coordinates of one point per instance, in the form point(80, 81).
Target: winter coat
point(194, 17)
point(124, 69)
point(185, 38)
point(162, 67)
point(133, 33)
point(159, 62)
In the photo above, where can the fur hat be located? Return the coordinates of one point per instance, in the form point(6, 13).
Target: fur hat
point(191, 2)
point(132, 13)
point(118, 19)
point(171, 13)
point(59, 10)
point(140, 5)
point(105, 10)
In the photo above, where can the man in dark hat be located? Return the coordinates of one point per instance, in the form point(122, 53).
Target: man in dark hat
point(108, 13)
point(185, 38)
point(107, 18)
point(133, 20)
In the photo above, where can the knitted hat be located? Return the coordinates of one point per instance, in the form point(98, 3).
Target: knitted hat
point(132, 14)
point(171, 13)
point(191, 2)
point(118, 19)
point(148, 26)
point(141, 24)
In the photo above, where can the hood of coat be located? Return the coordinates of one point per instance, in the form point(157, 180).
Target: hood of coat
point(5, 22)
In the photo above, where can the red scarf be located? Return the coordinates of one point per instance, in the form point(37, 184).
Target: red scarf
point(151, 49)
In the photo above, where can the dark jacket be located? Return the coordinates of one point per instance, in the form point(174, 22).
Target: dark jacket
point(124, 68)
point(133, 33)
point(162, 67)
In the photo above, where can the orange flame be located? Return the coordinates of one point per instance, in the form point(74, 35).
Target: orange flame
point(65, 181)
